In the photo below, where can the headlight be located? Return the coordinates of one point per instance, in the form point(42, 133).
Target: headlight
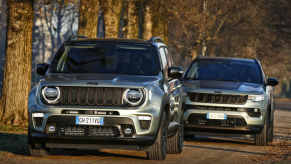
point(133, 96)
point(257, 98)
point(51, 94)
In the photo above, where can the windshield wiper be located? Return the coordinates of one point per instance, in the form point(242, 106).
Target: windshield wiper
point(224, 80)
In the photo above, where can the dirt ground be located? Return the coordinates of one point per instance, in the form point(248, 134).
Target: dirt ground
point(202, 149)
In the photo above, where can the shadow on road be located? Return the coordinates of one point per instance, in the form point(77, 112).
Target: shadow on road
point(283, 106)
point(230, 150)
point(213, 139)
point(13, 143)
point(91, 152)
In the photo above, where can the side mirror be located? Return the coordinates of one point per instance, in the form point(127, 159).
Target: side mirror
point(272, 81)
point(41, 68)
point(175, 72)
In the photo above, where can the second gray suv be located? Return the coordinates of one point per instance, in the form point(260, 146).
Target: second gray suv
point(229, 96)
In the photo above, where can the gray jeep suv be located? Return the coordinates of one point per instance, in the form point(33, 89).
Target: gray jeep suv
point(229, 96)
point(108, 94)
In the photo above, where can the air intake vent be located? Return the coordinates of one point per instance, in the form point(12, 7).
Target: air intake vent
point(91, 96)
point(218, 98)
point(90, 131)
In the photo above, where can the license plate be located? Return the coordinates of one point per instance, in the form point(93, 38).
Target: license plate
point(89, 120)
point(219, 116)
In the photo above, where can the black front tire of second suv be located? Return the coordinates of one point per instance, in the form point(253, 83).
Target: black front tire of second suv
point(261, 139)
point(271, 132)
point(158, 150)
point(175, 143)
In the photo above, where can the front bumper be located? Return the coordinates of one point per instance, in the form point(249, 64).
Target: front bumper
point(42, 140)
point(237, 122)
point(140, 138)
point(73, 139)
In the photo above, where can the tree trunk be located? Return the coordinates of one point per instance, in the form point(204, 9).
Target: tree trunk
point(17, 68)
point(132, 27)
point(88, 18)
point(59, 24)
point(112, 10)
point(155, 20)
point(193, 54)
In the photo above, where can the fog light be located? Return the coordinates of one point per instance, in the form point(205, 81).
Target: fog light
point(128, 131)
point(52, 129)
point(145, 121)
point(256, 110)
point(37, 118)
point(145, 124)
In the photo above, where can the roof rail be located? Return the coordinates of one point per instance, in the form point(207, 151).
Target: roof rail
point(75, 37)
point(201, 56)
point(156, 39)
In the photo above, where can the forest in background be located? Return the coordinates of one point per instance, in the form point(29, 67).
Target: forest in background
point(218, 28)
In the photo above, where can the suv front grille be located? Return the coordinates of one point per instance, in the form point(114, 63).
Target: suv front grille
point(92, 131)
point(91, 96)
point(218, 98)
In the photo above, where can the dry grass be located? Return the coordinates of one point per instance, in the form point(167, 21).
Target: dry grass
point(22, 129)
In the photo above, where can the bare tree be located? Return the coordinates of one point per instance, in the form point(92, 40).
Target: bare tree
point(155, 19)
point(88, 17)
point(17, 69)
point(111, 10)
point(132, 18)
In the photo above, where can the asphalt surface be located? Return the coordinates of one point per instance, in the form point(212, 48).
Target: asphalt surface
point(202, 149)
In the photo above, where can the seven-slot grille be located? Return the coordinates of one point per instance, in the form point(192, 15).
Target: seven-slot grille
point(218, 98)
point(91, 96)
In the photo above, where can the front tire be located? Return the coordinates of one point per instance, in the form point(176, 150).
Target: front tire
point(33, 151)
point(158, 150)
point(261, 139)
point(175, 143)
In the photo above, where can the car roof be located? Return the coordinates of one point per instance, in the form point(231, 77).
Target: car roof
point(224, 59)
point(82, 40)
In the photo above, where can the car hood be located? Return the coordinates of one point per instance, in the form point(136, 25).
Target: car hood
point(224, 87)
point(98, 80)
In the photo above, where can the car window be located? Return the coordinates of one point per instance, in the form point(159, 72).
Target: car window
point(168, 57)
point(225, 71)
point(264, 74)
point(113, 58)
point(164, 61)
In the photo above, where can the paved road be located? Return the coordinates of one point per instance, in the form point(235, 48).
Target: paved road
point(202, 149)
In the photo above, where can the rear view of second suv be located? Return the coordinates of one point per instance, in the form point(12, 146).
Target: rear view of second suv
point(229, 96)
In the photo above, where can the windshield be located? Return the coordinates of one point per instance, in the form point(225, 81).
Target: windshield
point(106, 57)
point(225, 71)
